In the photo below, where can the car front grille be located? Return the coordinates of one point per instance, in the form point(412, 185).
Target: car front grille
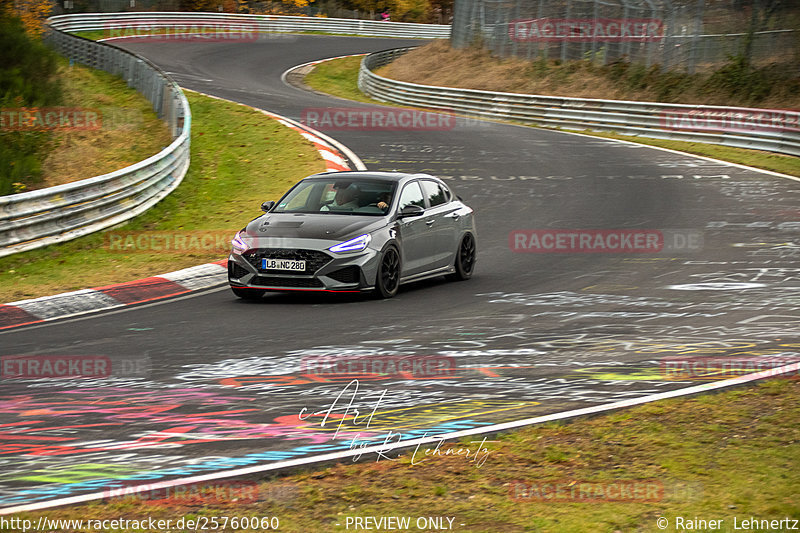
point(276, 281)
point(349, 274)
point(314, 259)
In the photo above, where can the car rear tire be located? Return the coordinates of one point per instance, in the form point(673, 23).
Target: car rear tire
point(248, 294)
point(465, 259)
point(387, 280)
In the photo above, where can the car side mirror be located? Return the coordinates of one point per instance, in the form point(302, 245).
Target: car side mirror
point(411, 211)
point(266, 206)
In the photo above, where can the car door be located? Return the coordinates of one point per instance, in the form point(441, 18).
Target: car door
point(441, 223)
point(412, 231)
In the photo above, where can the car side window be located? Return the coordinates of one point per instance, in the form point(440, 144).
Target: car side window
point(448, 194)
point(411, 195)
point(435, 193)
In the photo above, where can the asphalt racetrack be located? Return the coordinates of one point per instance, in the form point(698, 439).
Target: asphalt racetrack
point(217, 383)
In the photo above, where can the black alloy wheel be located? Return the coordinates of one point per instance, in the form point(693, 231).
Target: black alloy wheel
point(465, 259)
point(387, 281)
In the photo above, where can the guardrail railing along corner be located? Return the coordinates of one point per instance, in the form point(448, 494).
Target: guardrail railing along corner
point(42, 217)
point(38, 218)
point(761, 129)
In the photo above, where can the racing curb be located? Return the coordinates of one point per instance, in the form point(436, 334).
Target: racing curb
point(26, 312)
point(46, 308)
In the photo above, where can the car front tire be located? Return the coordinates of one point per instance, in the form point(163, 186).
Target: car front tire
point(387, 280)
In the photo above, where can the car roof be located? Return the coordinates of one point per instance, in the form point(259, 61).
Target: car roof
point(371, 175)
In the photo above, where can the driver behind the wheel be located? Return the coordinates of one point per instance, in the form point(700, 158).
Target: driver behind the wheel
point(384, 199)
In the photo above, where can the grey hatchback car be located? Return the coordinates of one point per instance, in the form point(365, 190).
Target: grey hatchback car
point(353, 232)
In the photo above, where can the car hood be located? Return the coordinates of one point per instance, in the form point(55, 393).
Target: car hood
point(313, 226)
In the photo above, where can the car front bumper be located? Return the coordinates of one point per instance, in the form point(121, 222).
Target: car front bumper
point(325, 270)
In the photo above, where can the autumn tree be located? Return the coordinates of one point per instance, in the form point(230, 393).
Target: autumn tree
point(400, 10)
point(27, 79)
point(441, 11)
point(32, 13)
point(235, 6)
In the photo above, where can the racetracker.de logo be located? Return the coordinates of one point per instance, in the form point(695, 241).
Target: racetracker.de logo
point(55, 366)
point(361, 119)
point(50, 119)
point(606, 241)
point(719, 368)
point(586, 30)
point(586, 241)
point(573, 490)
point(169, 241)
point(730, 119)
point(236, 30)
point(209, 493)
point(416, 366)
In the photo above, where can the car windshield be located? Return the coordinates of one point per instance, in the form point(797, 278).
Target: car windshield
point(339, 196)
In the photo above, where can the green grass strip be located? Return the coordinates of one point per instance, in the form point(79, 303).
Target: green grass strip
point(339, 77)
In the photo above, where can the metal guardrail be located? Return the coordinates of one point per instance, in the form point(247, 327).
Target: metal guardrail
point(122, 24)
point(760, 129)
point(38, 218)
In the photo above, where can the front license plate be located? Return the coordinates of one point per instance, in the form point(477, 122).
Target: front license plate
point(283, 264)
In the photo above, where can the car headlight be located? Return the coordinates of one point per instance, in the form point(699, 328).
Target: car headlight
point(239, 246)
point(353, 245)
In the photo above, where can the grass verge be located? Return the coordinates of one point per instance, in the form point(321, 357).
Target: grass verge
point(725, 456)
point(239, 158)
point(339, 78)
point(129, 129)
